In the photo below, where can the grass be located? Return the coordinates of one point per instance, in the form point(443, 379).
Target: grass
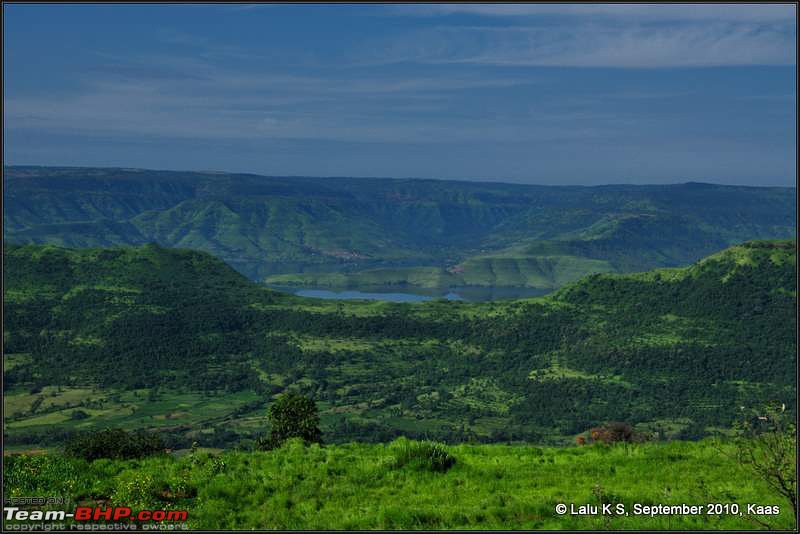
point(12, 360)
point(53, 398)
point(424, 456)
point(130, 409)
point(309, 343)
point(394, 486)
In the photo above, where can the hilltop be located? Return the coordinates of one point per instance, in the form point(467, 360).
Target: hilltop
point(360, 487)
point(151, 337)
point(356, 232)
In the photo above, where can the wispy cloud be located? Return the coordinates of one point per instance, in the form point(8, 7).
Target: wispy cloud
point(143, 111)
point(602, 35)
point(594, 45)
point(197, 98)
point(212, 74)
point(643, 12)
point(205, 48)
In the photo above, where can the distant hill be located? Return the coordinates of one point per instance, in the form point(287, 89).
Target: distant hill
point(151, 337)
point(428, 233)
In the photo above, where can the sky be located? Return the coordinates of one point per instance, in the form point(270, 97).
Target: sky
point(538, 93)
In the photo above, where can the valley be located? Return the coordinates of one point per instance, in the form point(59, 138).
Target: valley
point(297, 266)
point(175, 340)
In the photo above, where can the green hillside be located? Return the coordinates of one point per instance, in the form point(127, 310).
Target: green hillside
point(149, 337)
point(624, 242)
point(359, 487)
point(350, 232)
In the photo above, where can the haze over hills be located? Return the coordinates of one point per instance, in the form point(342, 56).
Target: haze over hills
point(358, 232)
point(149, 337)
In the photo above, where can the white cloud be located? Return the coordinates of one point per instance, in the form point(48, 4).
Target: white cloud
point(602, 35)
point(598, 45)
point(645, 12)
point(164, 109)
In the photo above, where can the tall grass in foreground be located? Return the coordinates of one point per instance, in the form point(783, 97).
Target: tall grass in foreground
point(403, 485)
point(424, 455)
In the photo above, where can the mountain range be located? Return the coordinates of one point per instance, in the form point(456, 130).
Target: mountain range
point(362, 232)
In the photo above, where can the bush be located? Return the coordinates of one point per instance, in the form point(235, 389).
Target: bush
point(615, 432)
point(692, 432)
point(293, 416)
point(139, 490)
point(113, 443)
point(423, 455)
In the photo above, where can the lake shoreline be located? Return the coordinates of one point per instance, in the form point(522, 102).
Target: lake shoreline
point(409, 293)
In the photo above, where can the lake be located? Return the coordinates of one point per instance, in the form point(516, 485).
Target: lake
point(391, 293)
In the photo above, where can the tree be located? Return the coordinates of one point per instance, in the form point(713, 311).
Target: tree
point(767, 446)
point(294, 416)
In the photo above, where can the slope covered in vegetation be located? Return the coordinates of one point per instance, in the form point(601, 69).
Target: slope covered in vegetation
point(149, 337)
point(426, 233)
point(361, 486)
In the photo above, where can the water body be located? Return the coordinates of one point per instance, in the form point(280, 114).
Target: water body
point(347, 295)
point(391, 294)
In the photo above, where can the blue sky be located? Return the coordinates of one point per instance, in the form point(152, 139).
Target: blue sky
point(549, 94)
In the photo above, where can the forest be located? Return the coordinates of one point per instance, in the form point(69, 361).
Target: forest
point(175, 340)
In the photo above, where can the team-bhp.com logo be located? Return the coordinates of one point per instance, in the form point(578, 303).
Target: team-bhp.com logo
point(88, 513)
point(115, 513)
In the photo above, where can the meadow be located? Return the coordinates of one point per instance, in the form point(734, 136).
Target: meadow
point(369, 486)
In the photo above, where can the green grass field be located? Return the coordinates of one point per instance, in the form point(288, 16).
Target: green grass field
point(123, 409)
point(361, 486)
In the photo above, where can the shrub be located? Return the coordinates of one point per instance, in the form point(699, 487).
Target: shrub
point(614, 432)
point(139, 490)
point(619, 432)
point(692, 432)
point(293, 416)
point(423, 455)
point(113, 443)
